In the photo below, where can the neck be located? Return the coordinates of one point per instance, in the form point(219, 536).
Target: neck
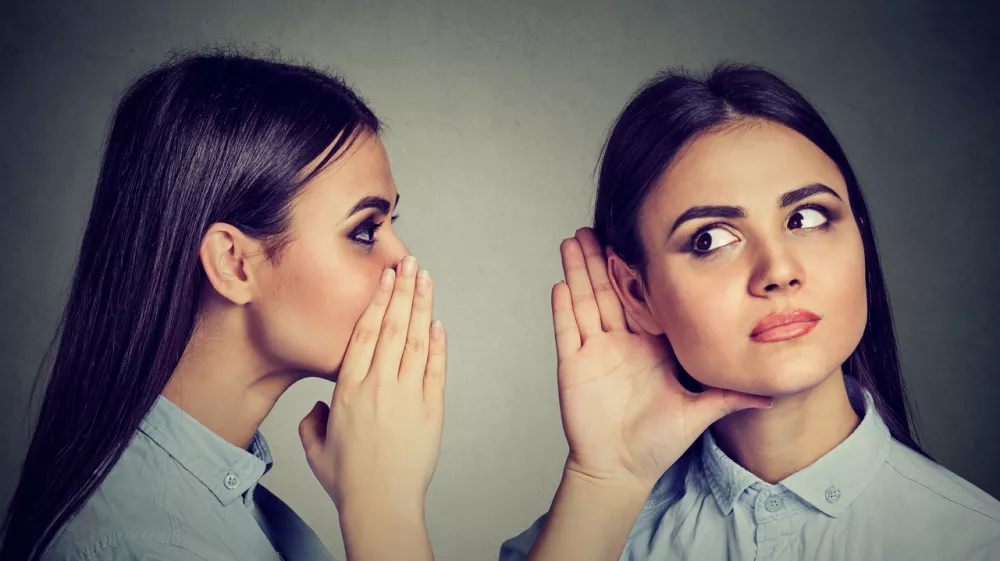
point(222, 381)
point(775, 443)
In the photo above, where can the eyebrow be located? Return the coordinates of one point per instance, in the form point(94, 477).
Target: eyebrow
point(378, 203)
point(731, 212)
point(792, 197)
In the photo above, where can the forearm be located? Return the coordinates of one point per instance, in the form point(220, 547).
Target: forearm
point(376, 533)
point(589, 520)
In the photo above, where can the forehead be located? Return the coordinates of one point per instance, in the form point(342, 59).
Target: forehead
point(748, 165)
point(361, 171)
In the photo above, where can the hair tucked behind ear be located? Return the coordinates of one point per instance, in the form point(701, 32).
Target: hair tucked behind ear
point(206, 138)
point(675, 107)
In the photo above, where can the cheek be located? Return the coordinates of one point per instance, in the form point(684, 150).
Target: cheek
point(310, 310)
point(841, 297)
point(698, 312)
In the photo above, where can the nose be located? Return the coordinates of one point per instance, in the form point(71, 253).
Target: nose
point(776, 271)
point(395, 250)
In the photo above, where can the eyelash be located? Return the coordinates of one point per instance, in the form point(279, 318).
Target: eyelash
point(689, 247)
point(370, 227)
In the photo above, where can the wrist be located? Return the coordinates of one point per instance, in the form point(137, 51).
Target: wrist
point(620, 489)
point(590, 517)
point(375, 507)
point(375, 528)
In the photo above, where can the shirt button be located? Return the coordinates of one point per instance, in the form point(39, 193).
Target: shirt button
point(231, 481)
point(832, 494)
point(773, 504)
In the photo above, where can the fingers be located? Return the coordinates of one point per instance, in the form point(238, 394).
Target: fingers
point(585, 311)
point(435, 373)
point(610, 307)
point(395, 324)
point(312, 429)
point(714, 404)
point(564, 323)
point(358, 358)
point(414, 362)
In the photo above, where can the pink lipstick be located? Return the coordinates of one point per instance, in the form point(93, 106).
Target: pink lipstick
point(782, 326)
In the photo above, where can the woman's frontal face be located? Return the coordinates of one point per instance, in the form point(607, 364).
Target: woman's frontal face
point(755, 265)
point(341, 239)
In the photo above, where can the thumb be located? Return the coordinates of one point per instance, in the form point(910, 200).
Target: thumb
point(714, 404)
point(312, 429)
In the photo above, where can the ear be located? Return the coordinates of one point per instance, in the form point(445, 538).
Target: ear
point(628, 284)
point(224, 253)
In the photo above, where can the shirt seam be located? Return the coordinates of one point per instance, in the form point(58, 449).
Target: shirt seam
point(914, 478)
point(111, 541)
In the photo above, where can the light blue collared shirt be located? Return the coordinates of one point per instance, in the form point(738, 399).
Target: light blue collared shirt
point(180, 492)
point(871, 497)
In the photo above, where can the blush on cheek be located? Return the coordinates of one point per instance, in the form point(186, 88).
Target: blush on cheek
point(306, 318)
point(680, 316)
point(849, 300)
point(346, 297)
point(703, 319)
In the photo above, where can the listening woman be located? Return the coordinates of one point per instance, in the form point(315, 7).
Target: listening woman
point(730, 296)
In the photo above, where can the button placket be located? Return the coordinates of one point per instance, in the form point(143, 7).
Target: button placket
point(774, 503)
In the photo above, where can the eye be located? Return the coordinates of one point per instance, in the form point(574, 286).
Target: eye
point(365, 232)
point(708, 240)
point(807, 218)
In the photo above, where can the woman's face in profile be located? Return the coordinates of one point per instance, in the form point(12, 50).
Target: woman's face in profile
point(745, 223)
point(311, 296)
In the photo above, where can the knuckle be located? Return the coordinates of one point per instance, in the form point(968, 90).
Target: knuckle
point(583, 298)
point(415, 344)
point(604, 289)
point(364, 335)
point(391, 330)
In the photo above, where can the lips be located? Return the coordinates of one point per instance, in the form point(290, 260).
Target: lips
point(781, 326)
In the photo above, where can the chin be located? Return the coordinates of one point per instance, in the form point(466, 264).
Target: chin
point(329, 373)
point(774, 377)
point(328, 376)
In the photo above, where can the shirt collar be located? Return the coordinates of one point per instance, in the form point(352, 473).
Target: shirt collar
point(829, 484)
point(227, 470)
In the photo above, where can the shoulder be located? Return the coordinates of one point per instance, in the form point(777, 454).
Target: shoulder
point(932, 510)
point(126, 512)
point(925, 479)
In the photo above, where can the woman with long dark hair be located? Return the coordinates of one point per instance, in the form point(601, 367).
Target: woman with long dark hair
point(728, 373)
point(240, 240)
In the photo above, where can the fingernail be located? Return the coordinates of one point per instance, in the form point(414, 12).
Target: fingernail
point(409, 266)
point(388, 276)
point(423, 281)
point(437, 329)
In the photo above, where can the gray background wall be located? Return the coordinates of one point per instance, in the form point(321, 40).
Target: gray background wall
point(497, 111)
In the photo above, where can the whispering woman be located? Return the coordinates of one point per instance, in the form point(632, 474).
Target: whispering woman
point(239, 240)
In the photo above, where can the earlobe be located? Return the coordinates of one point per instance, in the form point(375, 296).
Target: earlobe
point(628, 284)
point(223, 253)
